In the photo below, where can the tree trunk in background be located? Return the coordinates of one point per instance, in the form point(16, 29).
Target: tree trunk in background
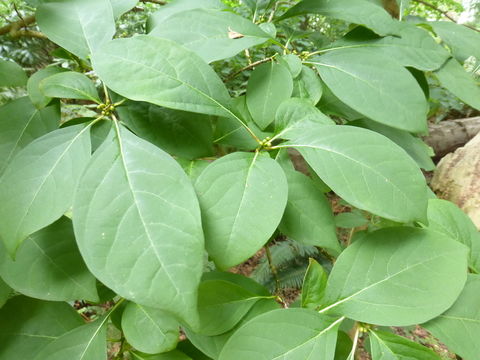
point(449, 135)
point(457, 179)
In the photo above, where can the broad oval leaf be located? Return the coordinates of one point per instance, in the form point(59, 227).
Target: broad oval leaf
point(70, 85)
point(28, 325)
point(137, 224)
point(56, 271)
point(20, 124)
point(171, 355)
point(222, 304)
point(11, 74)
point(120, 7)
point(446, 218)
point(159, 71)
point(455, 79)
point(314, 284)
point(308, 86)
point(179, 133)
point(242, 197)
point(213, 345)
point(390, 277)
point(295, 116)
point(376, 87)
point(388, 346)
point(361, 12)
point(5, 292)
point(79, 26)
point(414, 46)
point(86, 342)
point(366, 169)
point(269, 85)
point(459, 326)
point(414, 146)
point(293, 334)
point(149, 330)
point(33, 85)
point(293, 63)
point(308, 217)
point(38, 185)
point(212, 34)
point(178, 6)
point(462, 41)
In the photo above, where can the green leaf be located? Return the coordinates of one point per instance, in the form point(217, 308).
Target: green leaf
point(459, 326)
point(308, 86)
point(193, 168)
point(122, 6)
point(33, 86)
point(56, 270)
point(20, 124)
point(388, 346)
point(79, 26)
point(86, 342)
point(12, 74)
point(5, 292)
point(344, 346)
point(414, 146)
point(295, 116)
point(314, 285)
point(462, 41)
point(455, 79)
point(179, 6)
point(269, 85)
point(240, 280)
point(360, 12)
point(446, 218)
point(293, 63)
point(165, 74)
point(308, 217)
point(70, 85)
point(179, 133)
point(171, 355)
point(242, 197)
point(210, 33)
point(232, 132)
point(213, 345)
point(390, 277)
point(137, 224)
point(390, 94)
point(28, 325)
point(366, 169)
point(221, 305)
point(294, 334)
point(413, 47)
point(350, 220)
point(149, 330)
point(38, 186)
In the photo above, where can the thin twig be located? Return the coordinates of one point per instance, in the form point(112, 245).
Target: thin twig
point(248, 67)
point(444, 13)
point(273, 269)
point(158, 2)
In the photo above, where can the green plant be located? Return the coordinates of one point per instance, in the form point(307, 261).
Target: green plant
point(126, 208)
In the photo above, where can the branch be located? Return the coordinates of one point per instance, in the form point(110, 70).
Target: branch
point(15, 26)
point(29, 33)
point(444, 13)
point(248, 67)
point(158, 2)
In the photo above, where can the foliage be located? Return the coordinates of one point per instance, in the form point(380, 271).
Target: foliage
point(180, 168)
